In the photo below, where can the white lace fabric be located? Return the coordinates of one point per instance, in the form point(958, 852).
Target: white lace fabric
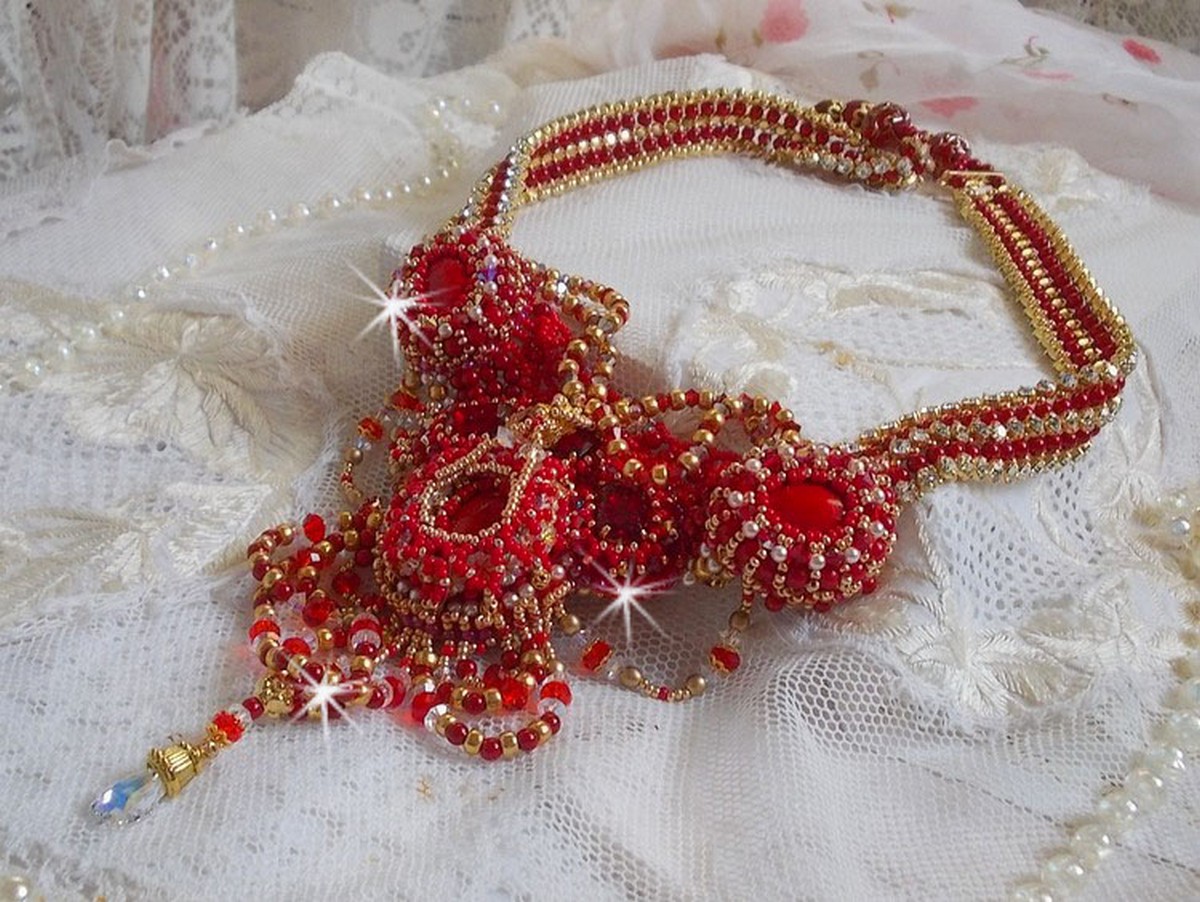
point(931, 741)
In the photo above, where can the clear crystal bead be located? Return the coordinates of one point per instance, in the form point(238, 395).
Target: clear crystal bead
point(129, 799)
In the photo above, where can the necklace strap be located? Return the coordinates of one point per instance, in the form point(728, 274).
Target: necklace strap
point(987, 437)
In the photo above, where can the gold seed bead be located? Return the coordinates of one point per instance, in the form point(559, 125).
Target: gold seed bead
point(362, 662)
point(533, 657)
point(442, 722)
point(508, 742)
point(324, 548)
point(287, 533)
point(271, 577)
point(474, 741)
point(324, 638)
point(543, 730)
point(493, 698)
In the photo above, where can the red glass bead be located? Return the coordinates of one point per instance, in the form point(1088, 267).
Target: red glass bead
point(808, 506)
point(314, 528)
point(261, 626)
point(553, 721)
point(491, 749)
point(456, 733)
point(514, 694)
point(254, 706)
point(296, 646)
point(317, 610)
point(228, 725)
point(527, 739)
point(346, 582)
point(595, 655)
point(557, 689)
point(447, 281)
point(724, 659)
point(474, 703)
point(623, 509)
point(421, 703)
point(480, 503)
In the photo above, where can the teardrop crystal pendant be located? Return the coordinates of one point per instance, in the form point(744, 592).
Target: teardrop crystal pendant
point(130, 799)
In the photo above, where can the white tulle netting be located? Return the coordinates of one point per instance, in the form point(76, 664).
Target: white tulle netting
point(936, 740)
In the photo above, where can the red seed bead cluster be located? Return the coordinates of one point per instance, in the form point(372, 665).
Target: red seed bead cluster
point(521, 474)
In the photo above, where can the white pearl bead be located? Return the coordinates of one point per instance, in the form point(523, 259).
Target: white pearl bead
point(1179, 528)
point(816, 562)
point(15, 888)
point(83, 333)
point(298, 213)
point(1063, 872)
point(211, 246)
point(363, 195)
point(116, 315)
point(138, 293)
point(1091, 842)
point(1031, 892)
point(267, 220)
point(237, 231)
point(779, 554)
point(386, 195)
point(163, 273)
point(61, 351)
point(192, 262)
point(330, 204)
point(493, 111)
point(34, 367)
point(1145, 788)
point(750, 529)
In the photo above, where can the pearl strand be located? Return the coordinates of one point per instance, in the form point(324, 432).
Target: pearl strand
point(1064, 871)
point(438, 115)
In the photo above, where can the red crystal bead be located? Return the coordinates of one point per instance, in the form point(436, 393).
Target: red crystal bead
point(371, 429)
point(623, 509)
point(346, 582)
point(724, 659)
point(595, 655)
point(447, 281)
point(808, 506)
point(557, 689)
point(317, 610)
point(314, 528)
point(491, 749)
point(480, 503)
point(514, 694)
point(228, 725)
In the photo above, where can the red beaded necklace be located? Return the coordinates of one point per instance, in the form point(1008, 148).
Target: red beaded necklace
point(521, 476)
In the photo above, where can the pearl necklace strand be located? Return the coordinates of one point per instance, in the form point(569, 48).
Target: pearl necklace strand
point(56, 353)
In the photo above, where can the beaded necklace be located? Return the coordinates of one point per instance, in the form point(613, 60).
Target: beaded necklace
point(522, 477)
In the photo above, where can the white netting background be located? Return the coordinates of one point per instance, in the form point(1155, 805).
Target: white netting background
point(929, 742)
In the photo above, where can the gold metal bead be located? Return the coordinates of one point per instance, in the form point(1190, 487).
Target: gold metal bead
point(324, 638)
point(659, 474)
point(350, 536)
point(474, 741)
point(508, 742)
point(570, 624)
point(632, 467)
point(739, 620)
point(695, 685)
point(630, 677)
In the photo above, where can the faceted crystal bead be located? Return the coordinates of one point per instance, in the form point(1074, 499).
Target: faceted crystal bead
point(130, 799)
